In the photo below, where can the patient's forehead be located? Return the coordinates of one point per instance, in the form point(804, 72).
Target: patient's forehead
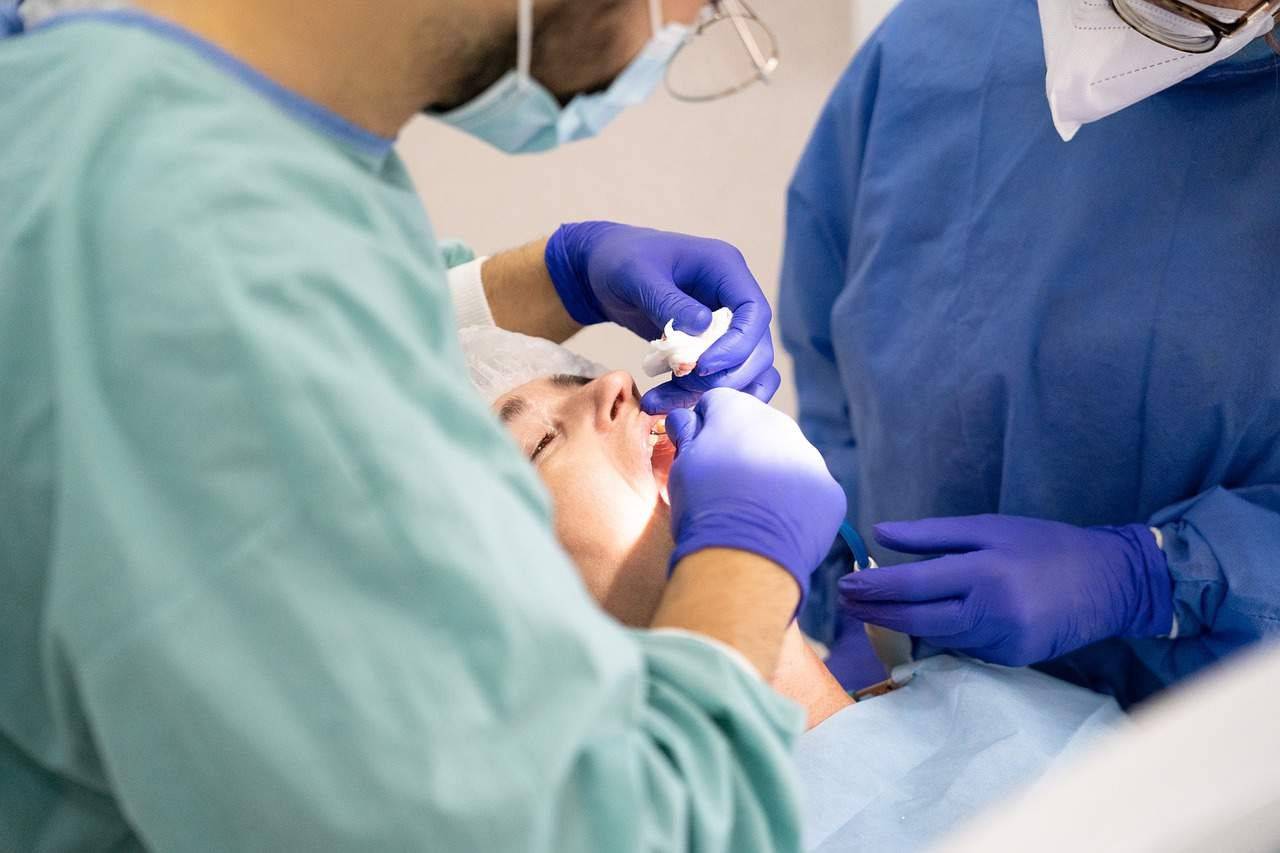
point(523, 400)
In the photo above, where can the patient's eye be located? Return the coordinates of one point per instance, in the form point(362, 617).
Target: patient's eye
point(541, 446)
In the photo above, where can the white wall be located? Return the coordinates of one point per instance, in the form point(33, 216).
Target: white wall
point(718, 169)
point(866, 14)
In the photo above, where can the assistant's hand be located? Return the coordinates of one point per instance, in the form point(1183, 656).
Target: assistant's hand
point(851, 658)
point(640, 278)
point(745, 477)
point(1014, 590)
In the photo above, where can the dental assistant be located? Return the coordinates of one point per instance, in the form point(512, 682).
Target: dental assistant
point(1051, 365)
point(271, 575)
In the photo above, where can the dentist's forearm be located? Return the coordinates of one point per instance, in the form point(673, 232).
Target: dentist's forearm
point(743, 600)
point(802, 677)
point(521, 295)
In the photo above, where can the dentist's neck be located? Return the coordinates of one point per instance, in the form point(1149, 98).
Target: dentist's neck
point(375, 69)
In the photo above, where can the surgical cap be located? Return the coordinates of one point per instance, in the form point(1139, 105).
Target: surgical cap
point(499, 361)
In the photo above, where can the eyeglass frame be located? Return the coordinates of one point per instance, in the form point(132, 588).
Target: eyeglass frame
point(764, 65)
point(1220, 29)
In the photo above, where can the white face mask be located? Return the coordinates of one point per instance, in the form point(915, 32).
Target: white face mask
point(518, 115)
point(1098, 64)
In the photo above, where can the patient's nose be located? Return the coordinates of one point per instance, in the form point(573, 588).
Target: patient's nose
point(613, 394)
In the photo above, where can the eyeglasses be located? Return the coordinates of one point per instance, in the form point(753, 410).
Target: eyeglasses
point(1183, 27)
point(730, 49)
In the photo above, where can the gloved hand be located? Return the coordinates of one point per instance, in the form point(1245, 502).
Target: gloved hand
point(1014, 590)
point(640, 278)
point(851, 658)
point(745, 477)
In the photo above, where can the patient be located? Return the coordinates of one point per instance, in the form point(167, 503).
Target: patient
point(891, 771)
point(606, 469)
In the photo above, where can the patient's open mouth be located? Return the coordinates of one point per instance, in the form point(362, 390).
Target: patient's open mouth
point(657, 432)
point(662, 452)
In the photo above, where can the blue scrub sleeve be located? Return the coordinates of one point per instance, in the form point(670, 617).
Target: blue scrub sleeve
point(1223, 548)
point(311, 599)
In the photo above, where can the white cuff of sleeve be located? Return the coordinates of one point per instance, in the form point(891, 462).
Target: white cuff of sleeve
point(1173, 629)
point(733, 654)
point(470, 307)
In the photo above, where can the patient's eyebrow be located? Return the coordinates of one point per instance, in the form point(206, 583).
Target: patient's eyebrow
point(570, 380)
point(517, 406)
point(512, 409)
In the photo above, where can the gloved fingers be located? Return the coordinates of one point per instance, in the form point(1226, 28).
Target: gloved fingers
point(851, 658)
point(692, 317)
point(945, 618)
point(936, 535)
point(750, 376)
point(682, 425)
point(716, 274)
point(747, 331)
point(766, 385)
point(667, 398)
point(930, 580)
point(675, 394)
point(664, 300)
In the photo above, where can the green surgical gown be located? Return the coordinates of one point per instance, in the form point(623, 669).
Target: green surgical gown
point(271, 577)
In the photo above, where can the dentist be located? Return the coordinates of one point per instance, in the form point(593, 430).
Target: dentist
point(271, 576)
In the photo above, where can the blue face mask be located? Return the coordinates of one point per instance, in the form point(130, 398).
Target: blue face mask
point(518, 115)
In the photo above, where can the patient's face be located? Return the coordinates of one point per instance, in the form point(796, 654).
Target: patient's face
point(591, 445)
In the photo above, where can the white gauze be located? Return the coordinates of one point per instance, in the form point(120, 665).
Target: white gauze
point(679, 352)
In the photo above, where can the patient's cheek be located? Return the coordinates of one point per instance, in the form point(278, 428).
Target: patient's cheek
point(583, 519)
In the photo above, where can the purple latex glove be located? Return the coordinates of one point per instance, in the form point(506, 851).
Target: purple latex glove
point(640, 278)
point(1014, 590)
point(745, 477)
point(851, 659)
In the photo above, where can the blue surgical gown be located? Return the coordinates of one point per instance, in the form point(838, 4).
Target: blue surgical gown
point(986, 319)
point(271, 575)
